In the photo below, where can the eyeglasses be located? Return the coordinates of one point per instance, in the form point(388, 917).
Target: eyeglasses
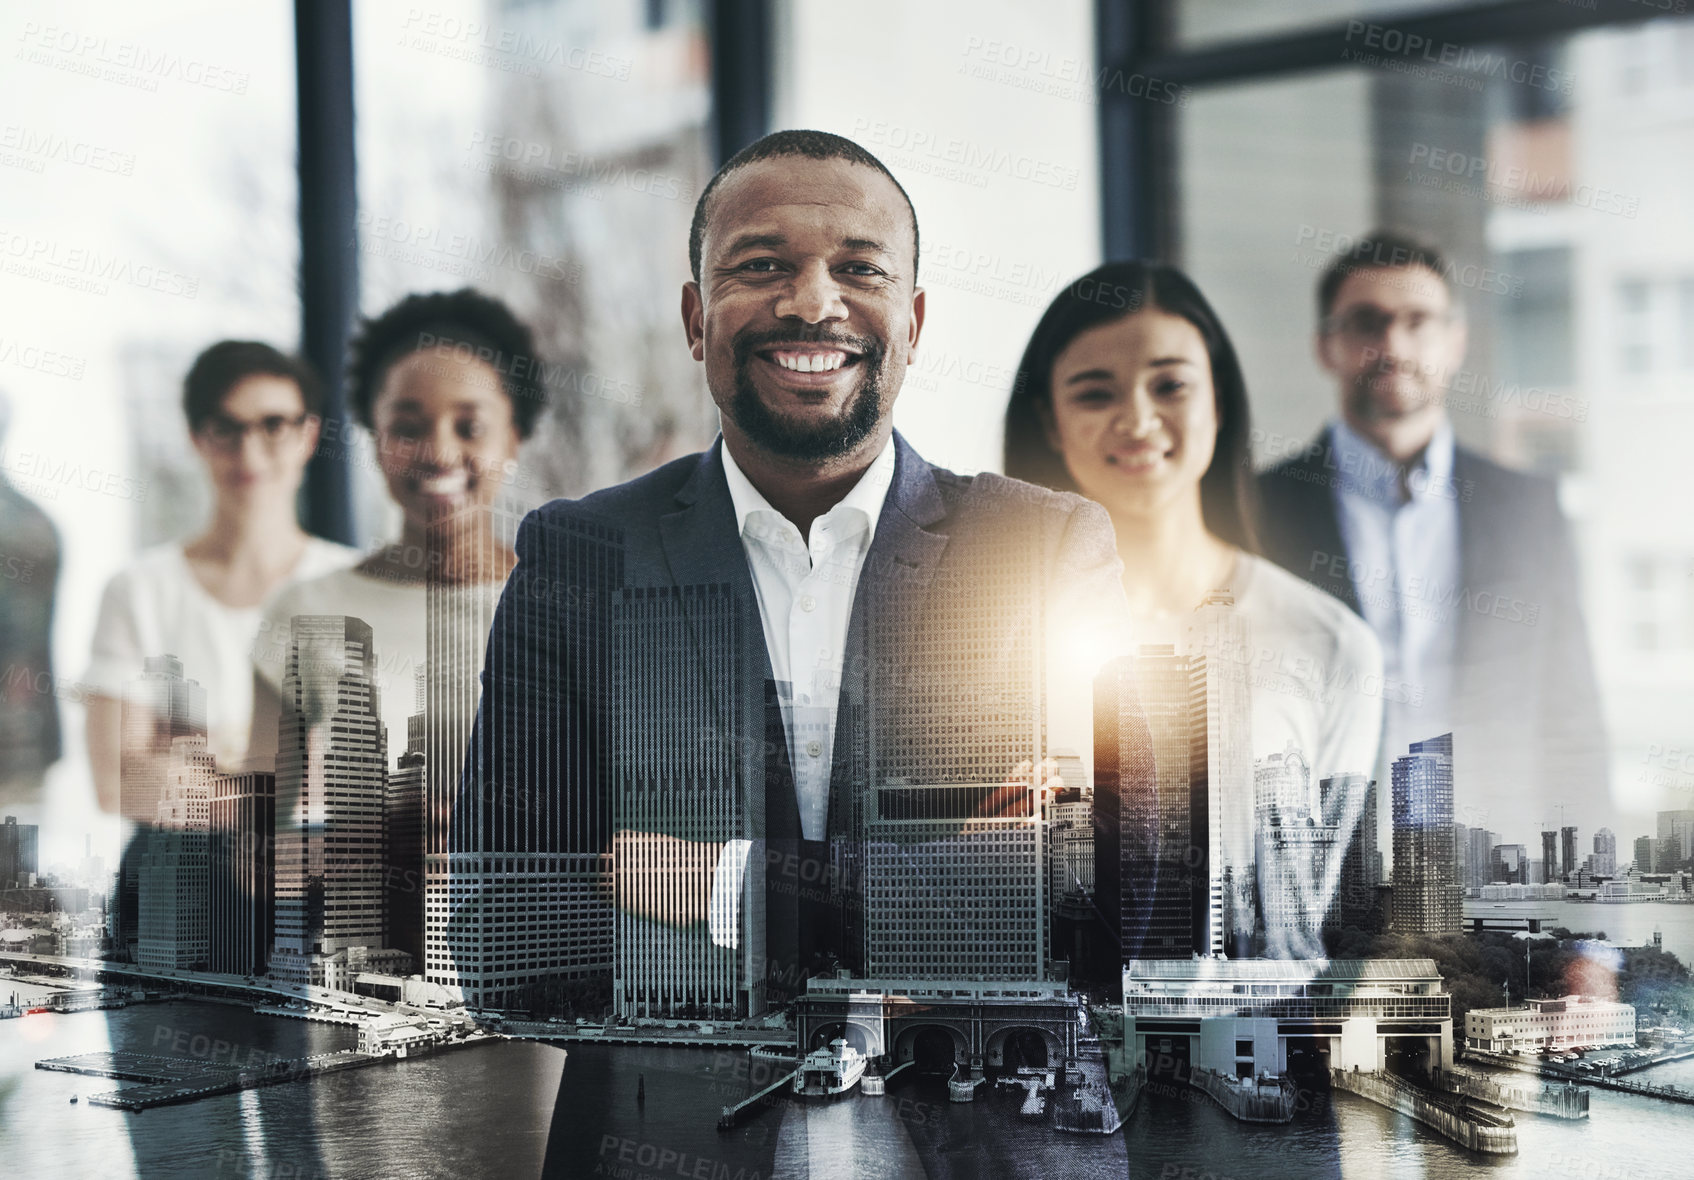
point(228, 434)
point(1370, 323)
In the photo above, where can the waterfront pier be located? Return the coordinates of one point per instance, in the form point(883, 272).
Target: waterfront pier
point(1458, 1118)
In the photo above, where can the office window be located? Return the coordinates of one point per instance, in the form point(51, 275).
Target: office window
point(1577, 299)
point(1635, 326)
point(548, 153)
point(150, 195)
point(1201, 23)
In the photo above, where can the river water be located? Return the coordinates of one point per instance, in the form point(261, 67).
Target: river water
point(1629, 924)
point(490, 1110)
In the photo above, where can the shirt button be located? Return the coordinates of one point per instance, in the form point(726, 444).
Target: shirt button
point(814, 748)
point(808, 603)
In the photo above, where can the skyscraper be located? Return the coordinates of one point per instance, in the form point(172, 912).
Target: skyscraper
point(1549, 857)
point(19, 855)
point(1567, 848)
point(668, 794)
point(403, 847)
point(1481, 842)
point(1344, 797)
point(1427, 896)
point(1605, 852)
point(330, 775)
point(1221, 765)
point(1675, 844)
point(520, 854)
point(1296, 851)
point(242, 835)
point(1510, 863)
point(1643, 854)
point(1070, 843)
point(159, 706)
point(1144, 805)
point(174, 877)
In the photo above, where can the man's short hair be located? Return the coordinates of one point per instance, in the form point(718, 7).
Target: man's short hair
point(814, 145)
point(464, 321)
point(1380, 249)
point(227, 363)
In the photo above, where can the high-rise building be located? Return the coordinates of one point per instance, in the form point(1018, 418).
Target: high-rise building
point(1070, 844)
point(1148, 853)
point(1481, 842)
point(159, 706)
point(1221, 764)
point(667, 792)
point(1349, 805)
point(1567, 850)
point(1510, 863)
point(1643, 854)
point(403, 847)
point(520, 855)
point(955, 873)
point(1549, 857)
point(1296, 851)
point(1427, 896)
point(1605, 852)
point(1067, 767)
point(173, 882)
point(330, 775)
point(242, 834)
point(1675, 844)
point(19, 853)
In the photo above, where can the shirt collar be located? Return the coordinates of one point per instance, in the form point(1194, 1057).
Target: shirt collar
point(865, 498)
point(1367, 473)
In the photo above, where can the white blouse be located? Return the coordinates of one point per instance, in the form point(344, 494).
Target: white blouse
point(398, 615)
point(156, 606)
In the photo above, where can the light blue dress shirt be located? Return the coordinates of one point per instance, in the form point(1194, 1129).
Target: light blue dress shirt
point(1401, 532)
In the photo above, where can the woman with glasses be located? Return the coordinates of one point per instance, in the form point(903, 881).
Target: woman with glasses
point(1130, 393)
point(253, 417)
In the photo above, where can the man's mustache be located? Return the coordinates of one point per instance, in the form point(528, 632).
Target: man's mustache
point(749, 343)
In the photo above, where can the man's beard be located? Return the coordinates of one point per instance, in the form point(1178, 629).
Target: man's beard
point(808, 443)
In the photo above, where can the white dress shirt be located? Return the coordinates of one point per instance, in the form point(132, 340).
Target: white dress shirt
point(1401, 533)
point(805, 588)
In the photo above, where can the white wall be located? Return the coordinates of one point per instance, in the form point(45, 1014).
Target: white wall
point(985, 113)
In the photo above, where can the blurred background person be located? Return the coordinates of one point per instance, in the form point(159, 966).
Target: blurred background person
point(29, 712)
point(1130, 393)
point(253, 417)
point(1464, 569)
point(444, 384)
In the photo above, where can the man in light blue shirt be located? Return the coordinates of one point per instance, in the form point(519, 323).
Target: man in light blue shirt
point(1464, 569)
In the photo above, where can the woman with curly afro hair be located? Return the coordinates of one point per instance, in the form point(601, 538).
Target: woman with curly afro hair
point(447, 384)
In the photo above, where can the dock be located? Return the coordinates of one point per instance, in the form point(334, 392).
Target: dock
point(1463, 1120)
point(1669, 1092)
point(733, 1115)
point(1557, 1100)
point(165, 1081)
point(729, 1038)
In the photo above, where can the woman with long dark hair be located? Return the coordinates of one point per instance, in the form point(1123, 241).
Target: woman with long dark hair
point(1130, 393)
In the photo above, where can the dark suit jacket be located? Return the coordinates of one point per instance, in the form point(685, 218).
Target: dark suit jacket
point(627, 690)
point(1527, 723)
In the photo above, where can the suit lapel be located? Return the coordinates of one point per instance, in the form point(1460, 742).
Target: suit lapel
point(1323, 522)
point(702, 546)
point(903, 559)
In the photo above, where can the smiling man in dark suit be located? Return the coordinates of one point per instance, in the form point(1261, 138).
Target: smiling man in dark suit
point(806, 668)
point(1465, 569)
